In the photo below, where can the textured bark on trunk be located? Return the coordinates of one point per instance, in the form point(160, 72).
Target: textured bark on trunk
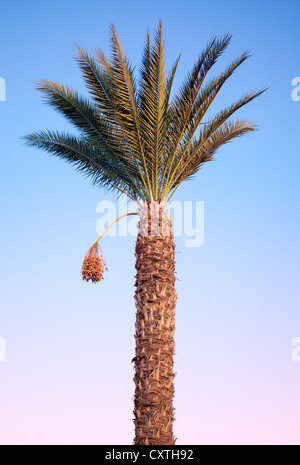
point(155, 326)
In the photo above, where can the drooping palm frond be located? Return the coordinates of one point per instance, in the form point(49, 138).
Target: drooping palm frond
point(104, 170)
point(132, 135)
point(185, 157)
point(201, 152)
point(93, 128)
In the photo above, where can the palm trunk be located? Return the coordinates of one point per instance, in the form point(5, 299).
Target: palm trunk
point(155, 326)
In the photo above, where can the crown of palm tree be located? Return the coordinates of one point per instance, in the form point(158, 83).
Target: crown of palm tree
point(132, 136)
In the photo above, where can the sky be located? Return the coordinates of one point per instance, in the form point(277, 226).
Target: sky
point(67, 374)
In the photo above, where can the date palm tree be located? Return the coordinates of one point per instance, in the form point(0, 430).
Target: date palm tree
point(133, 136)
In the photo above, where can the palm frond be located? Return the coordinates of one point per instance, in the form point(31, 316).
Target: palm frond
point(153, 104)
point(200, 153)
point(209, 128)
point(98, 83)
point(207, 95)
point(126, 105)
point(92, 162)
point(74, 107)
point(92, 125)
point(185, 100)
point(170, 79)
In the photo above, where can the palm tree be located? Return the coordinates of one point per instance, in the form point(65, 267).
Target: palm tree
point(135, 138)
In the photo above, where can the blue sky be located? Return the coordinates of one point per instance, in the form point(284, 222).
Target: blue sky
point(69, 343)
